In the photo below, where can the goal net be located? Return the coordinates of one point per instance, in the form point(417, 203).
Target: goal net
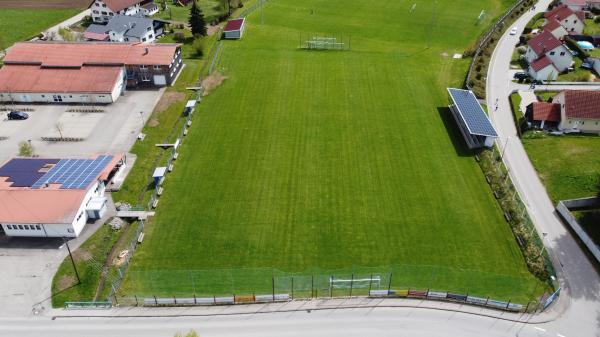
point(346, 283)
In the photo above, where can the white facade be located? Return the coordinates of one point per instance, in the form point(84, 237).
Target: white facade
point(560, 57)
point(149, 36)
point(548, 73)
point(572, 24)
point(559, 32)
point(101, 13)
point(581, 124)
point(573, 5)
point(62, 97)
point(72, 229)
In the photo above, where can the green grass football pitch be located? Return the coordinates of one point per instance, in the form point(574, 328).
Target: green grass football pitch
point(309, 162)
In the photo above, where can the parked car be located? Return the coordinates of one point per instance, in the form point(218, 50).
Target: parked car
point(17, 115)
point(586, 65)
point(513, 31)
point(521, 76)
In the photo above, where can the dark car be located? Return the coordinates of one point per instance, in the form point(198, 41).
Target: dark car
point(521, 76)
point(17, 115)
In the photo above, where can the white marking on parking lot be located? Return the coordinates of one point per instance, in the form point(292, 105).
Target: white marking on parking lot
point(540, 329)
point(559, 335)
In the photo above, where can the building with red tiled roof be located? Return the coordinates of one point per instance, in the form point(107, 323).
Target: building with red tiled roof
point(555, 28)
point(580, 109)
point(104, 10)
point(543, 69)
point(543, 48)
point(575, 5)
point(72, 72)
point(543, 115)
point(54, 197)
point(572, 21)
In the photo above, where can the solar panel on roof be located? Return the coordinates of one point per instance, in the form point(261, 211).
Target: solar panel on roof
point(74, 173)
point(472, 113)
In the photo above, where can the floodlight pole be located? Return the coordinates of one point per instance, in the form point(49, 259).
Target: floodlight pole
point(72, 260)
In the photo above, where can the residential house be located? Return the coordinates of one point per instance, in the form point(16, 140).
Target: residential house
point(545, 44)
point(104, 10)
point(572, 21)
point(126, 28)
point(90, 72)
point(54, 197)
point(543, 115)
point(555, 28)
point(579, 110)
point(543, 69)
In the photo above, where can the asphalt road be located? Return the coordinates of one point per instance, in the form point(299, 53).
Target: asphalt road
point(580, 299)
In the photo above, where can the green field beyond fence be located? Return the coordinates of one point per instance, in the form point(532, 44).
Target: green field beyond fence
point(310, 162)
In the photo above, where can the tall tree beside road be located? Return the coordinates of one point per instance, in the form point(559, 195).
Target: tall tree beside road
point(197, 20)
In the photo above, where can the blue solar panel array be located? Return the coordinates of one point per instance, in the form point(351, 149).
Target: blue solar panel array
point(24, 172)
point(74, 174)
point(472, 113)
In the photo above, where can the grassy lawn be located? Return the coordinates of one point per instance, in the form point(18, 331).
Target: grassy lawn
point(307, 162)
point(89, 259)
point(21, 24)
point(590, 221)
point(569, 166)
point(591, 28)
point(210, 8)
point(578, 75)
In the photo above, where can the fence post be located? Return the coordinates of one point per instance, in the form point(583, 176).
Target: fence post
point(273, 283)
point(370, 284)
point(507, 304)
point(351, 285)
point(155, 301)
point(292, 288)
point(390, 283)
point(115, 298)
point(195, 299)
point(136, 300)
point(312, 286)
point(331, 286)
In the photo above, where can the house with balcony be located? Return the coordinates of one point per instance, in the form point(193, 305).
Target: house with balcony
point(104, 10)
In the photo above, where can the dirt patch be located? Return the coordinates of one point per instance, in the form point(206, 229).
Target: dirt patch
point(153, 122)
point(167, 99)
point(212, 82)
point(120, 259)
point(212, 30)
point(45, 3)
point(444, 55)
point(83, 255)
point(65, 282)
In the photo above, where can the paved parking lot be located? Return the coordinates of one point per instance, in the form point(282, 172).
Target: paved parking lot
point(28, 264)
point(112, 131)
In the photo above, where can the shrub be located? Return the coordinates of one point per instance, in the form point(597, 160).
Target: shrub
point(25, 149)
point(199, 46)
point(521, 50)
point(179, 36)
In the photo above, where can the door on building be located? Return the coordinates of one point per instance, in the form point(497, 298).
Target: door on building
point(160, 80)
point(25, 98)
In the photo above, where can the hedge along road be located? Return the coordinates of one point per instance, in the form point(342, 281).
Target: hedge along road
point(580, 298)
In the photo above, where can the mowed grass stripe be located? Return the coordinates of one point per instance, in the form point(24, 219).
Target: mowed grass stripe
point(307, 161)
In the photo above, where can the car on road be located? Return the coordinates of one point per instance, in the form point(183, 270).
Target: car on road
point(17, 115)
point(513, 31)
point(521, 76)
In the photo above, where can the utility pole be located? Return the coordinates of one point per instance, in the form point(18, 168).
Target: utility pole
point(72, 260)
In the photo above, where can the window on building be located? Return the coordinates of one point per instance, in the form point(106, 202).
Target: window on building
point(143, 39)
point(70, 230)
point(104, 5)
point(79, 216)
point(146, 78)
point(150, 36)
point(143, 66)
point(96, 12)
point(27, 227)
point(9, 226)
point(562, 53)
point(38, 227)
point(157, 67)
point(111, 14)
point(20, 226)
point(574, 21)
point(148, 29)
point(552, 53)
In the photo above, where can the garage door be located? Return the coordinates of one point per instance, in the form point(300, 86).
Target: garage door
point(160, 80)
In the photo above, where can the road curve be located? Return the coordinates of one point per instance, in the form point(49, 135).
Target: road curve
point(579, 303)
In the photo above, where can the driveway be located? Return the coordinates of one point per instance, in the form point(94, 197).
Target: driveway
point(579, 303)
point(113, 131)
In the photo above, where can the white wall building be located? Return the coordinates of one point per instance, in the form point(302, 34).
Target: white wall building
point(104, 10)
point(52, 197)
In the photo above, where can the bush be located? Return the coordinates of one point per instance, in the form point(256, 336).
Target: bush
point(199, 46)
point(25, 149)
point(521, 50)
point(179, 36)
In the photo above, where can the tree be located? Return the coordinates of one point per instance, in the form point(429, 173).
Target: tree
point(197, 20)
point(25, 149)
point(199, 45)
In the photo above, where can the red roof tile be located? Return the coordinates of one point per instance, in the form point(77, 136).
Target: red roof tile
point(75, 54)
point(543, 42)
point(117, 5)
point(30, 78)
point(559, 12)
point(582, 104)
point(541, 63)
point(543, 111)
point(575, 2)
point(234, 25)
point(551, 24)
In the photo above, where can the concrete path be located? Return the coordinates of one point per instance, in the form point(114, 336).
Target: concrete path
point(580, 299)
point(68, 22)
point(527, 97)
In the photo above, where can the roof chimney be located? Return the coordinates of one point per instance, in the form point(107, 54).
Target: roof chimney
point(146, 51)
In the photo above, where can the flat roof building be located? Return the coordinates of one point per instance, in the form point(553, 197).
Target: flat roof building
point(472, 120)
point(54, 197)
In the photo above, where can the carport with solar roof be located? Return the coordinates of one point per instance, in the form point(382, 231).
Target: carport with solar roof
point(474, 124)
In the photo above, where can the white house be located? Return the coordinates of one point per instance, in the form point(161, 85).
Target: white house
point(103, 10)
point(572, 21)
point(54, 197)
point(542, 69)
point(126, 28)
point(555, 28)
point(580, 110)
point(545, 44)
